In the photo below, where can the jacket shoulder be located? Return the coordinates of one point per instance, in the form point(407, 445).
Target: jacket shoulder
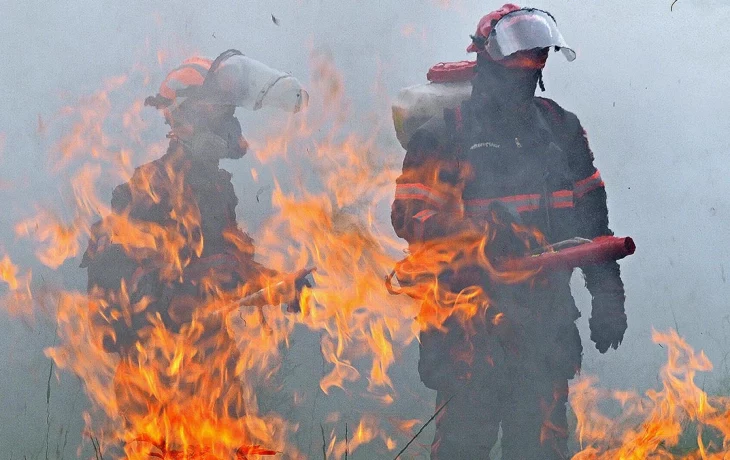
point(566, 120)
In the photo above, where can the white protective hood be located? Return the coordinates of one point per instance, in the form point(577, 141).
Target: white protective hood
point(248, 83)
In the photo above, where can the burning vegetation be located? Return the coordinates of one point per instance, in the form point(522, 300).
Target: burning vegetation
point(192, 390)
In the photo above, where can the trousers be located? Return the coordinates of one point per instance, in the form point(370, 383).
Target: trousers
point(513, 376)
point(530, 410)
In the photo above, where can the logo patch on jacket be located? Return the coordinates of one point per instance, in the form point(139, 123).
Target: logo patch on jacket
point(481, 145)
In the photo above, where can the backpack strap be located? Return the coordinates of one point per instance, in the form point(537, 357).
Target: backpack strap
point(208, 86)
point(455, 128)
point(219, 60)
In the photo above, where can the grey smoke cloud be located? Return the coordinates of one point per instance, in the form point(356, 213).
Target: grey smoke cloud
point(649, 86)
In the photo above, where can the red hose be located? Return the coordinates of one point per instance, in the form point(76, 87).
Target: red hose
point(601, 249)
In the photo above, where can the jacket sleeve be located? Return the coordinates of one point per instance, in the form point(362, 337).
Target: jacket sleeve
point(427, 194)
point(591, 209)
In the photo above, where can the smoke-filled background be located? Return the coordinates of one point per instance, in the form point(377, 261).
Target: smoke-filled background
point(649, 86)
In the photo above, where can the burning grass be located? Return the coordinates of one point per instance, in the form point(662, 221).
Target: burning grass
point(679, 420)
point(171, 396)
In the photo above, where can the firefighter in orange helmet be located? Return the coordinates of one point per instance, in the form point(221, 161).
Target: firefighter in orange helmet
point(186, 198)
point(198, 100)
point(512, 158)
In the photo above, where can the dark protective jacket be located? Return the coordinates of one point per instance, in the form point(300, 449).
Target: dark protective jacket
point(190, 205)
point(538, 167)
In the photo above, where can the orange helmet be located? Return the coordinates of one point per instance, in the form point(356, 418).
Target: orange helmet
point(180, 83)
point(183, 80)
point(231, 80)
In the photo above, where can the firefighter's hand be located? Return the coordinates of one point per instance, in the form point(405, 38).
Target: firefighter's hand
point(608, 321)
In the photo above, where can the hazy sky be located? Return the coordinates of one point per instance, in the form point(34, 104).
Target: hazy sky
point(649, 85)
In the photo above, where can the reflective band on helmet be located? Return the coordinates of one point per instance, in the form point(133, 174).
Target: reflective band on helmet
point(524, 30)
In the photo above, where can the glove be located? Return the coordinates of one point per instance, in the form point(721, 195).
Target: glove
point(608, 320)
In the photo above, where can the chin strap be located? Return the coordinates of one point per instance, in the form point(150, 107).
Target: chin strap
point(539, 81)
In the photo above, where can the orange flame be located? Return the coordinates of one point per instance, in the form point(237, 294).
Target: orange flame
point(171, 393)
point(652, 426)
point(191, 391)
point(19, 299)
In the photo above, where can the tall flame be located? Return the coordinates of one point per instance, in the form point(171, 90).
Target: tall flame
point(193, 391)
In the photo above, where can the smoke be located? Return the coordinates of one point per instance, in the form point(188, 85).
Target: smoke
point(649, 86)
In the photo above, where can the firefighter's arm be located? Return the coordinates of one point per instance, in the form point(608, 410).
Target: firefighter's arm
point(110, 313)
point(427, 189)
point(114, 281)
point(608, 317)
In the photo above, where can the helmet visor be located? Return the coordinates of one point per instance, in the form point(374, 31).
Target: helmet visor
point(525, 30)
